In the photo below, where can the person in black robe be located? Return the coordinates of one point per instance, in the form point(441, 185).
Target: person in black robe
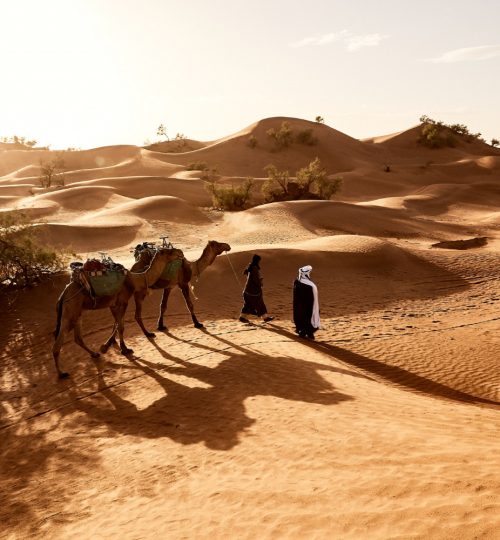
point(253, 305)
point(305, 304)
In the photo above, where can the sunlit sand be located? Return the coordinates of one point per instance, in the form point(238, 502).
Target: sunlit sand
point(387, 426)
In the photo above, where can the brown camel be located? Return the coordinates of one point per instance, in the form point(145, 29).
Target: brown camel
point(75, 299)
point(181, 278)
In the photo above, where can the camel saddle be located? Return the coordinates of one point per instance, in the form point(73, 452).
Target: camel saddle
point(171, 268)
point(99, 278)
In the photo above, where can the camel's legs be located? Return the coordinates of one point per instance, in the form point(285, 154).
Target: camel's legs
point(189, 304)
point(139, 299)
point(111, 340)
point(66, 326)
point(163, 307)
point(119, 315)
point(79, 339)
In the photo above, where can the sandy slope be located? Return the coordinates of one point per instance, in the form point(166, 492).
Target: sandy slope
point(387, 426)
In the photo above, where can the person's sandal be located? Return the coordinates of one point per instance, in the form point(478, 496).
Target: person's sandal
point(268, 319)
point(242, 319)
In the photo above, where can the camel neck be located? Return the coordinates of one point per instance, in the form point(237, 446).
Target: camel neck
point(206, 259)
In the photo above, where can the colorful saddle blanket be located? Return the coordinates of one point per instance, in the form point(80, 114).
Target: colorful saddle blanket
point(171, 269)
point(98, 278)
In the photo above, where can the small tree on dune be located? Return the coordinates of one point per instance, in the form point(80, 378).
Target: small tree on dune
point(495, 142)
point(52, 172)
point(275, 188)
point(319, 119)
point(162, 132)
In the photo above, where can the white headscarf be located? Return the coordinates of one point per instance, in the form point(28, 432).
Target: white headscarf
point(304, 277)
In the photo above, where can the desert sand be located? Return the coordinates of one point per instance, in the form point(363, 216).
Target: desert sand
point(386, 426)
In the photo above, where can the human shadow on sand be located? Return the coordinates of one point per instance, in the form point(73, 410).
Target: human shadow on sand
point(215, 412)
point(394, 374)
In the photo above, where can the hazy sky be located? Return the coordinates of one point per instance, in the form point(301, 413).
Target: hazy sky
point(87, 73)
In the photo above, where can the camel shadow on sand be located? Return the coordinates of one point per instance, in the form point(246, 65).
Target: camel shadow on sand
point(215, 413)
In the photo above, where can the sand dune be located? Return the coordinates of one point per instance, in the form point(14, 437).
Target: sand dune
point(234, 157)
point(80, 197)
point(158, 207)
point(136, 187)
point(385, 426)
point(91, 237)
point(293, 220)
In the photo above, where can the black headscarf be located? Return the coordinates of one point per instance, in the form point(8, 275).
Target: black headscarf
point(255, 262)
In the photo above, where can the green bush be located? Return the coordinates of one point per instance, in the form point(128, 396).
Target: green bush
point(306, 137)
point(283, 137)
point(24, 261)
point(230, 197)
point(437, 134)
point(311, 182)
point(197, 166)
point(276, 187)
point(252, 141)
point(434, 136)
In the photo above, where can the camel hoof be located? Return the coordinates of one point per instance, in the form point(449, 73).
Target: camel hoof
point(162, 328)
point(126, 351)
point(150, 334)
point(198, 325)
point(95, 355)
point(63, 375)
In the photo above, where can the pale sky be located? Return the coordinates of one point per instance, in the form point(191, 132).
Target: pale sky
point(87, 73)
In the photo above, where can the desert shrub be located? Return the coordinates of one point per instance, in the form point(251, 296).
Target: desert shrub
point(18, 143)
point(282, 137)
point(437, 134)
point(24, 261)
point(434, 136)
point(210, 174)
point(197, 166)
point(230, 197)
point(311, 182)
point(52, 172)
point(252, 141)
point(276, 187)
point(319, 119)
point(306, 137)
point(315, 183)
point(495, 142)
point(181, 141)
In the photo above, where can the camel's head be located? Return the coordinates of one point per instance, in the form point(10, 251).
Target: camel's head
point(219, 247)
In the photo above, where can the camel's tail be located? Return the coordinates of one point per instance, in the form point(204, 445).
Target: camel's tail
point(59, 309)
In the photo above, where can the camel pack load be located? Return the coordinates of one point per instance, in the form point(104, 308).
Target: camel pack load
point(171, 268)
point(99, 277)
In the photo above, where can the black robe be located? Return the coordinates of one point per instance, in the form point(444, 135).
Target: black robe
point(252, 295)
point(303, 302)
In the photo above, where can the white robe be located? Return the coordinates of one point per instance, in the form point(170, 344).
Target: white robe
point(315, 318)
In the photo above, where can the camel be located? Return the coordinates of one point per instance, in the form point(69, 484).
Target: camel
point(181, 279)
point(75, 299)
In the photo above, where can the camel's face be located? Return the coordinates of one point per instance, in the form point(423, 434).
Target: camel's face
point(219, 247)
